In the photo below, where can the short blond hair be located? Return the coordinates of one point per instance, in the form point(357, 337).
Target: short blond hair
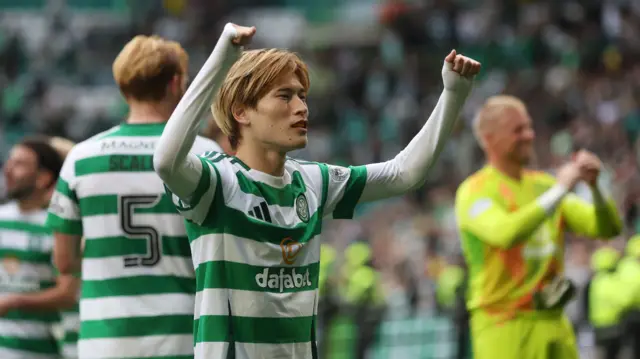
point(249, 79)
point(62, 145)
point(146, 65)
point(491, 110)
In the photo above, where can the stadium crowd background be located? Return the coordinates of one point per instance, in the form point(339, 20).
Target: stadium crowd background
point(375, 68)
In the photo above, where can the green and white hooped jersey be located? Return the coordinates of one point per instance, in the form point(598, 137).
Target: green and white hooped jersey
point(138, 281)
point(26, 246)
point(70, 325)
point(256, 253)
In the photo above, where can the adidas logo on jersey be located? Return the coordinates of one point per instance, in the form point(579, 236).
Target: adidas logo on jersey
point(261, 212)
point(286, 279)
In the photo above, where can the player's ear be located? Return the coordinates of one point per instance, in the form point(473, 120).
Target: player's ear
point(240, 114)
point(177, 85)
point(44, 179)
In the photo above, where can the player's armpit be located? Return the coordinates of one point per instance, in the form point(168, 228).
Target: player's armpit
point(197, 204)
point(190, 174)
point(598, 220)
point(483, 218)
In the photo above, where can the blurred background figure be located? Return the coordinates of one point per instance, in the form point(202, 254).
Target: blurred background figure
point(608, 300)
point(69, 317)
point(628, 271)
point(32, 293)
point(372, 64)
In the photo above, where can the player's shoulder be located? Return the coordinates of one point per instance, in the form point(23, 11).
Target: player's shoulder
point(475, 183)
point(203, 144)
point(90, 146)
point(306, 168)
point(8, 210)
point(540, 177)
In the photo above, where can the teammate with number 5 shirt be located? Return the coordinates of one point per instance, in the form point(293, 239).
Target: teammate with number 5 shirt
point(138, 284)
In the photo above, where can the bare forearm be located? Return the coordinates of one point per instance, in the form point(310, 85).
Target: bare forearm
point(62, 296)
point(179, 169)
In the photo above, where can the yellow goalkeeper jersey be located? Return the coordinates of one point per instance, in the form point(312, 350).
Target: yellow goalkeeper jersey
point(512, 246)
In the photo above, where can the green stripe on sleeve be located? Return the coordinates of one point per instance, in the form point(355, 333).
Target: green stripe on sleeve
point(62, 186)
point(65, 226)
point(353, 190)
point(203, 184)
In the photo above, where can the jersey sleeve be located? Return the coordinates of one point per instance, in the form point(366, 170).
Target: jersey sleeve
point(586, 219)
point(479, 214)
point(344, 188)
point(198, 205)
point(64, 211)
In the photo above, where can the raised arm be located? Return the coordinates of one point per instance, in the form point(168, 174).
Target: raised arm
point(179, 169)
point(478, 213)
point(408, 170)
point(599, 219)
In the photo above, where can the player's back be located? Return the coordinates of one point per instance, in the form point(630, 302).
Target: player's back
point(138, 281)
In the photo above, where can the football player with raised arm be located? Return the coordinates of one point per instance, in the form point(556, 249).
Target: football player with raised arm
point(512, 222)
point(253, 218)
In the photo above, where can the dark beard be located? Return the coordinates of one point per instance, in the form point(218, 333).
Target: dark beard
point(21, 193)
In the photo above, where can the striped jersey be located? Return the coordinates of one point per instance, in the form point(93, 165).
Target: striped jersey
point(138, 281)
point(26, 247)
point(70, 325)
point(256, 254)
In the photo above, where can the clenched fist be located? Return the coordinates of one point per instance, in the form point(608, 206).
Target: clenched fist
point(459, 71)
point(590, 166)
point(240, 35)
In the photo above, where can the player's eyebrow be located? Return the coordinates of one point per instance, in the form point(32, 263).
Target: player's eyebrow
point(291, 89)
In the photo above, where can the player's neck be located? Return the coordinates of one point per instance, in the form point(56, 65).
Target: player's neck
point(260, 159)
point(508, 168)
point(148, 112)
point(32, 203)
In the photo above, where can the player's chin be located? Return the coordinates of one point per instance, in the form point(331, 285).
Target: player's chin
point(300, 142)
point(297, 139)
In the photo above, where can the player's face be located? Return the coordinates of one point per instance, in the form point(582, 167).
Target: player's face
point(280, 118)
point(20, 173)
point(514, 135)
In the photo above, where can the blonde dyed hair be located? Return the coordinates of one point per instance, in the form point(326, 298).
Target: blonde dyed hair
point(490, 112)
point(146, 65)
point(251, 78)
point(62, 145)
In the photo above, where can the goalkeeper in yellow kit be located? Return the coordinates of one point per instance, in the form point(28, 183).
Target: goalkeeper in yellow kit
point(511, 222)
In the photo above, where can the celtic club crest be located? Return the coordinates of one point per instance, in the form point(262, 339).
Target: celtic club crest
point(302, 208)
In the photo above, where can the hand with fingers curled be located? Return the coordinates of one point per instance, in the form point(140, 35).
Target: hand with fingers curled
point(240, 35)
point(459, 71)
point(590, 166)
